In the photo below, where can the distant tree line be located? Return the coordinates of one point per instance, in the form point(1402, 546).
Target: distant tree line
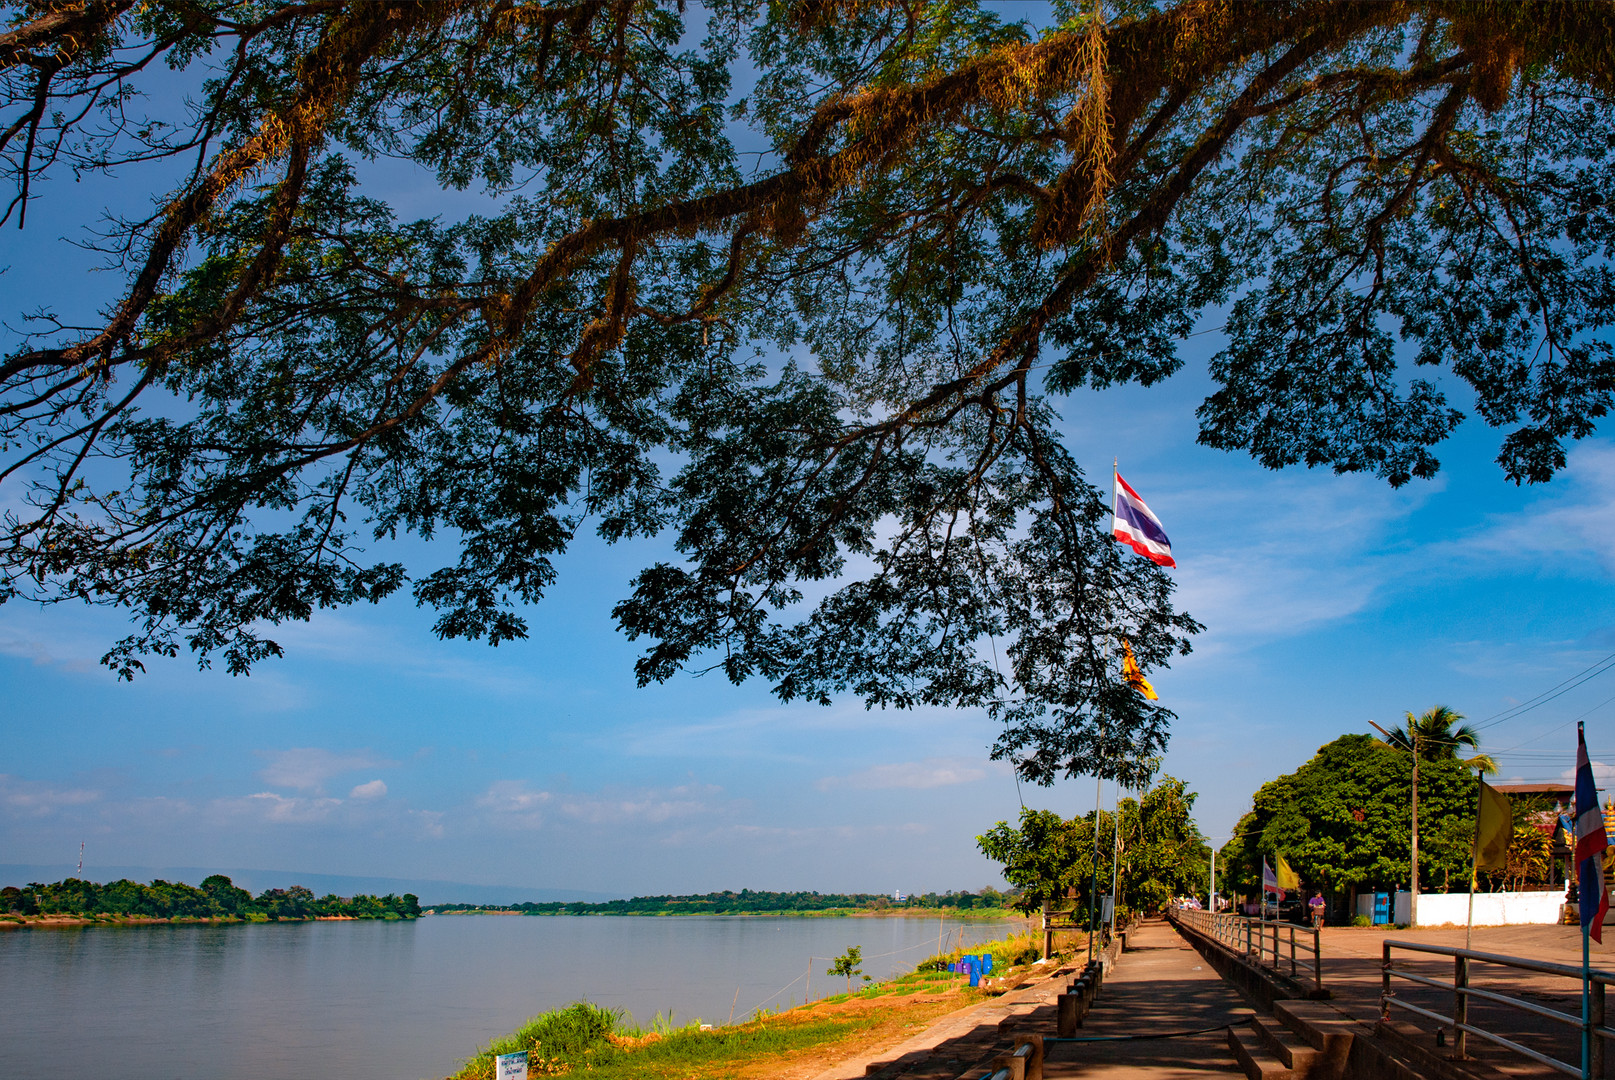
point(749, 902)
point(216, 898)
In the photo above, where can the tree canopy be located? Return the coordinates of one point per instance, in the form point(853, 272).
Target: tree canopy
point(1342, 820)
point(1158, 853)
point(797, 284)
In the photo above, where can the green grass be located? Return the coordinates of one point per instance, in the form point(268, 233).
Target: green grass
point(583, 1036)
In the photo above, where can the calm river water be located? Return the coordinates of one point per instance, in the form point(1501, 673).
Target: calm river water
point(400, 1000)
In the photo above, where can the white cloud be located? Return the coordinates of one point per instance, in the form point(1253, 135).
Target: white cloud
point(511, 803)
point(27, 798)
point(375, 789)
point(930, 773)
point(430, 821)
point(307, 768)
point(514, 804)
point(267, 806)
point(1603, 775)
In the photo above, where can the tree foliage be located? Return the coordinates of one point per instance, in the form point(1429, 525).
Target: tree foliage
point(1157, 854)
point(1437, 734)
point(216, 898)
point(799, 289)
point(1342, 820)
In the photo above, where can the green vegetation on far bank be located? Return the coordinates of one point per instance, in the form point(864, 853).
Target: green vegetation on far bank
point(609, 1046)
point(216, 899)
point(988, 903)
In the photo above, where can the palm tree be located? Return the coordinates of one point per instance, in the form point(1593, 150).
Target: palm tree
point(1438, 739)
point(1433, 737)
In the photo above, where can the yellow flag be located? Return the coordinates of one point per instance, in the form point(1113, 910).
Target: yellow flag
point(1288, 879)
point(1494, 828)
point(1135, 678)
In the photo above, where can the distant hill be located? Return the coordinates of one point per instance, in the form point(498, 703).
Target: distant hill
point(254, 880)
point(750, 902)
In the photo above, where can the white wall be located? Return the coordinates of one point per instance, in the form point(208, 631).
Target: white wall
point(1491, 909)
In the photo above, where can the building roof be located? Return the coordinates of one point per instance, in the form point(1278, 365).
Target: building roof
point(1536, 789)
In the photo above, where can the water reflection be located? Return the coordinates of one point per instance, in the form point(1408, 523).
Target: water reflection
point(398, 1000)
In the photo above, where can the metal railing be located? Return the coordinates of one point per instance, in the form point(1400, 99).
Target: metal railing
point(1462, 992)
point(1260, 941)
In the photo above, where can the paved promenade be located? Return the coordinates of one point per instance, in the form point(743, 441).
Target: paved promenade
point(1160, 984)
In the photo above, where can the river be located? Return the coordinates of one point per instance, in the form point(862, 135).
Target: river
point(400, 1000)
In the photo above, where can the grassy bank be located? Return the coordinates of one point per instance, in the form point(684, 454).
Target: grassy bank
point(802, 1040)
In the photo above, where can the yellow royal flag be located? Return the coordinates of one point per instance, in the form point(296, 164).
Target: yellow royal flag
point(1288, 879)
point(1494, 828)
point(1135, 678)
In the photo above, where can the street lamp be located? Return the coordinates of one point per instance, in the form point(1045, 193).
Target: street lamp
point(1413, 894)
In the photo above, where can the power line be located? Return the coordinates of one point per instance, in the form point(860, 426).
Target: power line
point(1516, 711)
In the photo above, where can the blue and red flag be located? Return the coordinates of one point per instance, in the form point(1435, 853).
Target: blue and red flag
point(1135, 524)
point(1270, 880)
point(1590, 844)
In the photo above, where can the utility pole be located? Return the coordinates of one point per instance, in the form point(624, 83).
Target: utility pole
point(1413, 877)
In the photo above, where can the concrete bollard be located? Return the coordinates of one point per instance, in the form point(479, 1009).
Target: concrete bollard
point(1065, 1015)
point(1033, 1047)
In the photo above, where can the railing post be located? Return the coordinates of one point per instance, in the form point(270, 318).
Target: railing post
point(1317, 957)
point(1385, 981)
point(1597, 1062)
point(1460, 1005)
point(1292, 952)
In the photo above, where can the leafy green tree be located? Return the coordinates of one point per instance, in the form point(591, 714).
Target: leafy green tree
point(1161, 853)
point(1047, 857)
point(1341, 820)
point(847, 964)
point(944, 221)
point(223, 896)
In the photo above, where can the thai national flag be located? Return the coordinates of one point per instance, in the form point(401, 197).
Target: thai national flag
point(1590, 845)
point(1135, 525)
point(1270, 880)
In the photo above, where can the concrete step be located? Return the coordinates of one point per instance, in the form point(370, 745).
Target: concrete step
point(1287, 1047)
point(1322, 1027)
point(1254, 1057)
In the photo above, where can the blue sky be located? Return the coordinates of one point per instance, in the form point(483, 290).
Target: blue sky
point(374, 749)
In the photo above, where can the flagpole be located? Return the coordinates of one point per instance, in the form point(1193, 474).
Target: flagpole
point(1474, 865)
point(1115, 859)
point(1093, 880)
point(1098, 780)
point(1581, 908)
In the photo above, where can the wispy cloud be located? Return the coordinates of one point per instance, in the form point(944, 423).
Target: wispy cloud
point(514, 804)
point(1575, 518)
point(931, 773)
point(307, 768)
point(32, 799)
point(1305, 551)
point(275, 809)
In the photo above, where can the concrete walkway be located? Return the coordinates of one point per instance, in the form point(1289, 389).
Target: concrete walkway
point(1159, 985)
